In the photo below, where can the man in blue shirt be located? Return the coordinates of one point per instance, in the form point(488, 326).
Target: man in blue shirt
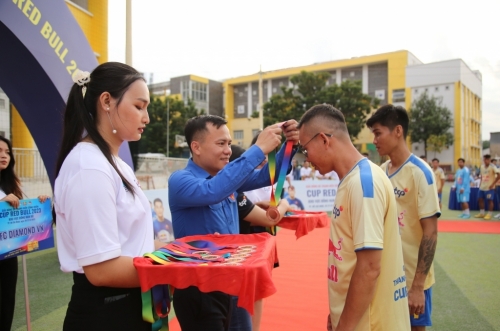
point(462, 187)
point(202, 200)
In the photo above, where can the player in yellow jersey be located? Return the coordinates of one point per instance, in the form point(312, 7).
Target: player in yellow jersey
point(490, 175)
point(439, 178)
point(366, 279)
point(418, 208)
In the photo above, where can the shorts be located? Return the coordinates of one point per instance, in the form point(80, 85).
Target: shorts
point(425, 318)
point(487, 195)
point(463, 197)
point(440, 196)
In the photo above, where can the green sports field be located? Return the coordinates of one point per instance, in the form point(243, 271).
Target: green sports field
point(466, 295)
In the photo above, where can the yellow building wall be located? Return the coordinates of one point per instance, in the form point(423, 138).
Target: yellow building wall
point(458, 124)
point(247, 126)
point(21, 138)
point(94, 24)
point(396, 66)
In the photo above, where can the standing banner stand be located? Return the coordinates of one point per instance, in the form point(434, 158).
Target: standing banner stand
point(24, 230)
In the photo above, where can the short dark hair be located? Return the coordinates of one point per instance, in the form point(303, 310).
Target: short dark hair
point(487, 156)
point(198, 124)
point(435, 159)
point(157, 200)
point(326, 111)
point(461, 159)
point(365, 154)
point(236, 152)
point(390, 116)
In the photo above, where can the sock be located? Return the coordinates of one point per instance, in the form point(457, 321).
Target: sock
point(481, 211)
point(466, 212)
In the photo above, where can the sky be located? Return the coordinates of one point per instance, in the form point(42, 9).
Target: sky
point(224, 39)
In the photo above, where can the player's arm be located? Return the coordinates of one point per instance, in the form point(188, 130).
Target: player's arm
point(442, 179)
point(426, 251)
point(361, 289)
point(497, 177)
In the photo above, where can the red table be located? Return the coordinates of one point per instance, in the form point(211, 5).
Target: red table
point(304, 221)
point(250, 281)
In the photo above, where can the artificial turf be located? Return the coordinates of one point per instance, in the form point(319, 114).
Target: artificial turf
point(466, 295)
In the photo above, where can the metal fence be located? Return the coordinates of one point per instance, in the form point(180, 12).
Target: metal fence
point(153, 171)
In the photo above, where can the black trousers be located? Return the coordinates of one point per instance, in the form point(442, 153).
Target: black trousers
point(198, 311)
point(8, 281)
point(103, 308)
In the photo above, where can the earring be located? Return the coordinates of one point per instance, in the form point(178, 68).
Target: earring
point(114, 131)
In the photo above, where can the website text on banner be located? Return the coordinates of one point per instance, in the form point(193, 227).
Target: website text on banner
point(25, 229)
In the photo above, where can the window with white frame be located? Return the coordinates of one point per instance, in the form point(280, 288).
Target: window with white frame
point(238, 135)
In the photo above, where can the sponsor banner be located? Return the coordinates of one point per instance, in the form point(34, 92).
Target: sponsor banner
point(25, 229)
point(313, 195)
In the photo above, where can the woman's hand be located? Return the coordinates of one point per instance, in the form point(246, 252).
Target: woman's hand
point(43, 198)
point(12, 200)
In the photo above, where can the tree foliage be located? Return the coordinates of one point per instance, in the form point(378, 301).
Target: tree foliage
point(310, 88)
point(430, 123)
point(154, 138)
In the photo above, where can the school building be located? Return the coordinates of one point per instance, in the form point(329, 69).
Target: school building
point(396, 77)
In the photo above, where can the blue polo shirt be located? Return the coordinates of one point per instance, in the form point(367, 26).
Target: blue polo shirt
point(202, 204)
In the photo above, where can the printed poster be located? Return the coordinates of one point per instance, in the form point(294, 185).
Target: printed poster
point(25, 229)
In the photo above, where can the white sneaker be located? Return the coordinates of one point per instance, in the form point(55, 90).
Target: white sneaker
point(497, 216)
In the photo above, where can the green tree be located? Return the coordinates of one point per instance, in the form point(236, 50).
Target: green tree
point(154, 138)
point(429, 119)
point(436, 143)
point(486, 144)
point(310, 89)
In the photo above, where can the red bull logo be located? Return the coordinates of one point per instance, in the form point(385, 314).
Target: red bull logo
point(333, 274)
point(333, 250)
point(401, 216)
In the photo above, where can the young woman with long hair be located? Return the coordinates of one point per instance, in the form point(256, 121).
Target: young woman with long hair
point(10, 191)
point(103, 217)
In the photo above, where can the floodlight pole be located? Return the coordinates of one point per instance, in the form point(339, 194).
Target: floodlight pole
point(261, 115)
point(168, 122)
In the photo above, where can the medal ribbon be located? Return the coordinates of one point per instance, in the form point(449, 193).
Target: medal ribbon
point(275, 196)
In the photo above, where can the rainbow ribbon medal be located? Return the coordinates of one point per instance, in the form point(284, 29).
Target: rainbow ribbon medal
point(272, 212)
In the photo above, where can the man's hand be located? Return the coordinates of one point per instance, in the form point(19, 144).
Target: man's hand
point(291, 132)
point(416, 301)
point(269, 138)
point(461, 190)
point(43, 198)
point(12, 200)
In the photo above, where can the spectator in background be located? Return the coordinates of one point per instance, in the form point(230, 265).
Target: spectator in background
point(296, 169)
point(366, 155)
point(306, 172)
point(489, 177)
point(439, 177)
point(462, 188)
point(494, 162)
point(163, 229)
point(10, 191)
point(424, 158)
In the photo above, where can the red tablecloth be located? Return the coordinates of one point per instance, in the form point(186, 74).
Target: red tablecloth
point(250, 281)
point(304, 221)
